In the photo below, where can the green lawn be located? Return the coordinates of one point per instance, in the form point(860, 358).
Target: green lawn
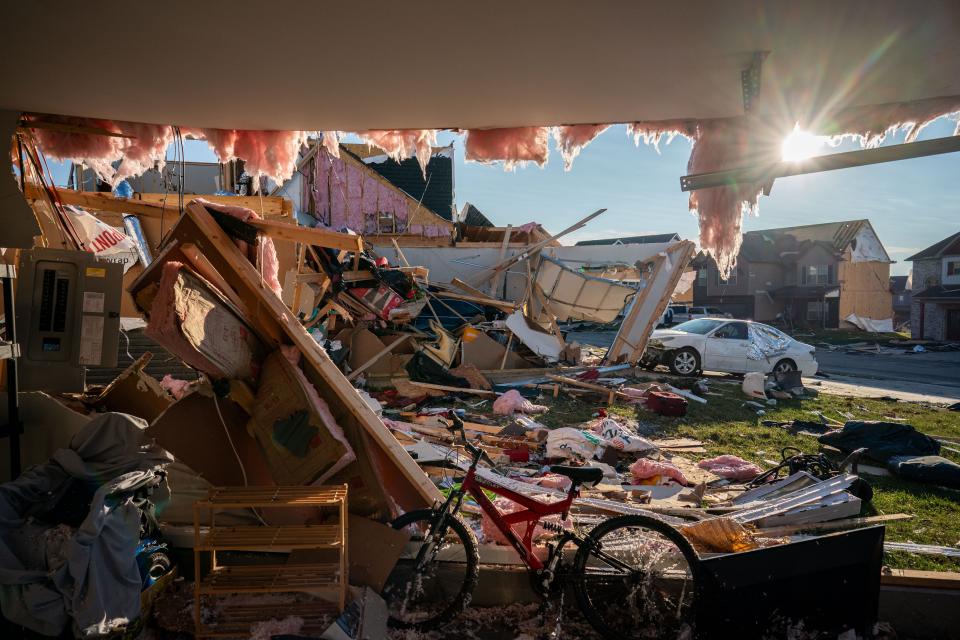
point(844, 336)
point(725, 426)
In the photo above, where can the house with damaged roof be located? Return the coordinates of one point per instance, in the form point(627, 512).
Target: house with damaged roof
point(935, 306)
point(830, 275)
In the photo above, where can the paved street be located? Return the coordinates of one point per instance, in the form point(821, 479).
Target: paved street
point(930, 376)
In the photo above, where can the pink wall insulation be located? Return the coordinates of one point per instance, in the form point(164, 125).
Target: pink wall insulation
point(870, 125)
point(331, 142)
point(264, 255)
point(147, 146)
point(512, 146)
point(350, 195)
point(571, 140)
point(400, 144)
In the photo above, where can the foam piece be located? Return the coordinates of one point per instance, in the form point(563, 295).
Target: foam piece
point(645, 468)
point(400, 144)
point(572, 139)
point(731, 467)
point(511, 145)
point(512, 402)
point(292, 354)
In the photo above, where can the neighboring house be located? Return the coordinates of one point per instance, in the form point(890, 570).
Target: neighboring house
point(661, 238)
point(935, 309)
point(818, 275)
point(900, 289)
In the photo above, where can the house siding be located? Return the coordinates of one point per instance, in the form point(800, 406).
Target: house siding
point(865, 291)
point(927, 273)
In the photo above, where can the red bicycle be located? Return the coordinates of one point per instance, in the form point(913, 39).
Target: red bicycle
point(633, 575)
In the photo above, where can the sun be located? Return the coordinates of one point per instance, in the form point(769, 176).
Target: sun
point(800, 145)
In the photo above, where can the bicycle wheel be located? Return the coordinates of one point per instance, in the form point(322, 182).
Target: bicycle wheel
point(431, 583)
point(635, 577)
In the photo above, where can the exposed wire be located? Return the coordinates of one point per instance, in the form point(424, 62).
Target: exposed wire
point(243, 471)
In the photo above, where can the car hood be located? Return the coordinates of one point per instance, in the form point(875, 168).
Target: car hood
point(664, 333)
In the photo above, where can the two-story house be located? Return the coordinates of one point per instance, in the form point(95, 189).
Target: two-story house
point(935, 308)
point(900, 287)
point(819, 275)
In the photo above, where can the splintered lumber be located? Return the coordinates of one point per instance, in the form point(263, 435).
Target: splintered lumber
point(503, 265)
point(917, 578)
point(648, 305)
point(503, 305)
point(266, 206)
point(273, 228)
point(573, 382)
point(443, 387)
point(460, 284)
point(383, 472)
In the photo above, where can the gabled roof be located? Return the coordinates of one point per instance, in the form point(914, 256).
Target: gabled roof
point(473, 217)
point(661, 238)
point(948, 246)
point(435, 192)
point(770, 245)
point(898, 284)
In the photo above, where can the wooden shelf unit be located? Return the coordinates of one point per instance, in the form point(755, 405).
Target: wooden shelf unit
point(327, 580)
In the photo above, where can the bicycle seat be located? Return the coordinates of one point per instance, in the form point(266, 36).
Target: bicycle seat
point(579, 475)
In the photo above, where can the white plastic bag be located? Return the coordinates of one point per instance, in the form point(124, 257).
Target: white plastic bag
point(568, 442)
point(621, 439)
point(107, 243)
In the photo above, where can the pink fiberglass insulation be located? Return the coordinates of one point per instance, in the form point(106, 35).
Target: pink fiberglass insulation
point(292, 354)
point(400, 144)
point(512, 402)
point(264, 153)
point(574, 138)
point(731, 467)
point(869, 125)
point(264, 255)
point(645, 468)
point(548, 481)
point(177, 388)
point(512, 145)
point(164, 324)
point(145, 148)
point(331, 142)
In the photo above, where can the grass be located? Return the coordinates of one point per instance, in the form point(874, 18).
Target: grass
point(725, 426)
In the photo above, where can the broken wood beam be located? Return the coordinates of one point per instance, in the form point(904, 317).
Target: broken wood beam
point(379, 354)
point(443, 387)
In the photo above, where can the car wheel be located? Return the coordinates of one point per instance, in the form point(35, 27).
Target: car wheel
point(784, 366)
point(685, 362)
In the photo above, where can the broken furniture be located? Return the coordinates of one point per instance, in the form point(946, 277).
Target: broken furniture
point(328, 580)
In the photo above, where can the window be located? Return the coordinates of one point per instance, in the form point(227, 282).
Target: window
point(386, 222)
point(816, 274)
point(815, 311)
point(702, 277)
point(731, 279)
point(953, 268)
point(732, 331)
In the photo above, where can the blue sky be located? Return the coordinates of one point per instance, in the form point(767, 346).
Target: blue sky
point(912, 203)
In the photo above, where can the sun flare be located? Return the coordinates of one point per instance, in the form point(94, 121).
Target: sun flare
point(800, 145)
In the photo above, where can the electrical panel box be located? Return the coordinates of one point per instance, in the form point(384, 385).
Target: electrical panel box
point(68, 317)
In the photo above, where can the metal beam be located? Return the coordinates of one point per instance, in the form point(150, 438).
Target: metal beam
point(767, 173)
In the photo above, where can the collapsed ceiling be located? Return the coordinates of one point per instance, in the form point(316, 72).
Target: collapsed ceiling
point(439, 64)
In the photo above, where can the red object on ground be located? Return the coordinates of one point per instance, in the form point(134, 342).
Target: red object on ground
point(518, 455)
point(589, 374)
point(666, 403)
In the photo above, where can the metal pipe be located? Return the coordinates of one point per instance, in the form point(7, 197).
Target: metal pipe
point(764, 174)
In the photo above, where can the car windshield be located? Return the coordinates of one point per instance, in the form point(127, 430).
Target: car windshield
point(702, 326)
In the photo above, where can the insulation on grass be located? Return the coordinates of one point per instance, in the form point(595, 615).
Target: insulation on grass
point(512, 145)
point(512, 402)
point(400, 144)
point(731, 467)
point(264, 254)
point(146, 148)
point(645, 468)
point(572, 139)
point(264, 153)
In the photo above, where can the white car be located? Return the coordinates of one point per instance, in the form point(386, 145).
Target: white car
point(732, 346)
